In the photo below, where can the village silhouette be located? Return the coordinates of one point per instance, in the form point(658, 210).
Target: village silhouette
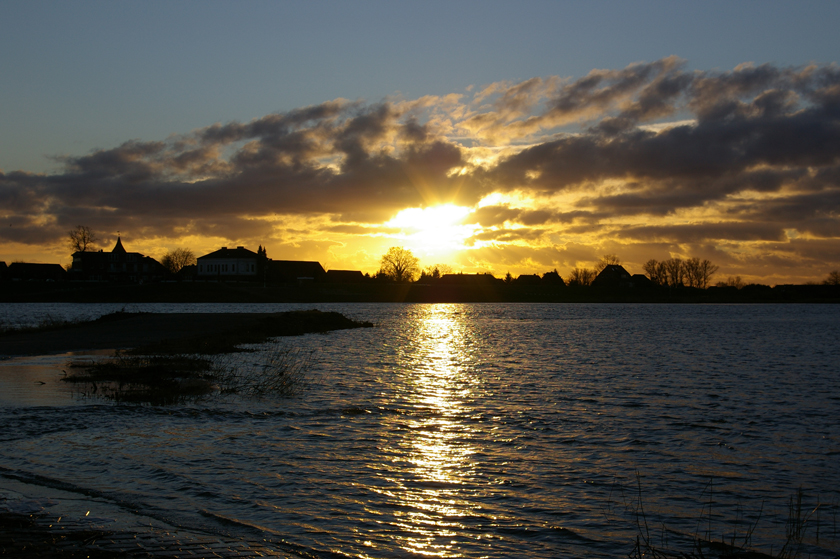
point(237, 274)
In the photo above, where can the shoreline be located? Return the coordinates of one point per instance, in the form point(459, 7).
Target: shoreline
point(385, 292)
point(44, 522)
point(131, 330)
point(47, 522)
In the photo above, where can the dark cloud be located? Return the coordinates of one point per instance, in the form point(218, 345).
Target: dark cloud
point(769, 142)
point(814, 213)
point(704, 232)
point(509, 235)
point(504, 257)
point(494, 216)
point(490, 216)
point(755, 150)
point(520, 97)
point(131, 162)
point(603, 89)
point(349, 229)
point(414, 132)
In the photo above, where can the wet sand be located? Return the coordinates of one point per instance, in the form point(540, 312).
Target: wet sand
point(131, 330)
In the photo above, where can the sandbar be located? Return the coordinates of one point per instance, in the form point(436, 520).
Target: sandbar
point(131, 330)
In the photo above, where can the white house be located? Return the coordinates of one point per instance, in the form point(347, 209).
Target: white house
point(227, 263)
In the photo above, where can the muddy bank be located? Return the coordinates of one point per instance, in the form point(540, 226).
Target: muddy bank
point(176, 332)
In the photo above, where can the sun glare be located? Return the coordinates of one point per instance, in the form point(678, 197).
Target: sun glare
point(435, 229)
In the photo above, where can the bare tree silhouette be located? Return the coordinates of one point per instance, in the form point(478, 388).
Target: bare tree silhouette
point(435, 271)
point(582, 276)
point(81, 238)
point(675, 271)
point(606, 260)
point(399, 264)
point(656, 272)
point(177, 259)
point(735, 282)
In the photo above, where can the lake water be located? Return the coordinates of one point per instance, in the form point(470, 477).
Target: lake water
point(474, 430)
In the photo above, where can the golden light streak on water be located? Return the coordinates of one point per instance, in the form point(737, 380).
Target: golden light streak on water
point(439, 448)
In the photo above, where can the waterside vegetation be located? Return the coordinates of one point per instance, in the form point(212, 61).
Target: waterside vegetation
point(720, 535)
point(120, 276)
point(174, 366)
point(161, 379)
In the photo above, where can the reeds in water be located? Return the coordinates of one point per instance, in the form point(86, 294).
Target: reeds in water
point(279, 371)
point(740, 543)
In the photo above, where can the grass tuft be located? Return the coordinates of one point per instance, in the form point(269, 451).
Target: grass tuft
point(739, 546)
point(177, 379)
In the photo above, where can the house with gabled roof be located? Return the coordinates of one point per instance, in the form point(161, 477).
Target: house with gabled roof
point(468, 279)
point(613, 275)
point(27, 271)
point(241, 264)
point(294, 271)
point(118, 265)
point(344, 276)
point(228, 263)
point(527, 279)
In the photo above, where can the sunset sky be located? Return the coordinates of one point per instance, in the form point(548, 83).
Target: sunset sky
point(490, 136)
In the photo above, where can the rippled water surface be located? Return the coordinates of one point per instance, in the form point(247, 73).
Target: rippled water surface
point(479, 430)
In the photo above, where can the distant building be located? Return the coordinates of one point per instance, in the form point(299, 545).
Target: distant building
point(641, 281)
point(3, 270)
point(187, 272)
point(228, 263)
point(241, 264)
point(553, 279)
point(613, 276)
point(468, 279)
point(527, 279)
point(118, 265)
point(24, 271)
point(294, 271)
point(344, 276)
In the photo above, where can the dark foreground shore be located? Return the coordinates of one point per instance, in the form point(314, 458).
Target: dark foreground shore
point(50, 537)
point(198, 332)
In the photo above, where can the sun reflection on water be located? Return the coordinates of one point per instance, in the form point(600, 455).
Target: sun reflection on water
point(435, 492)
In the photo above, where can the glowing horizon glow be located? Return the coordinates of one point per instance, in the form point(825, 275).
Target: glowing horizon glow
point(434, 230)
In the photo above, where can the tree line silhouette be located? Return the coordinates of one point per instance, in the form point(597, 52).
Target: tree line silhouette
point(676, 272)
point(400, 265)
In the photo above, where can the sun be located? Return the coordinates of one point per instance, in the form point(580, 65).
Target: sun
point(436, 230)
